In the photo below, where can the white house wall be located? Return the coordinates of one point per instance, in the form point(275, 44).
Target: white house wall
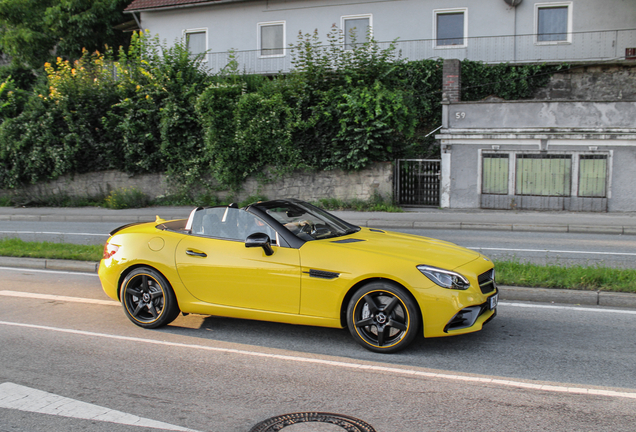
point(234, 25)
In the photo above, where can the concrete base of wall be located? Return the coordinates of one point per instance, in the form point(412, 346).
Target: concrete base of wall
point(517, 202)
point(305, 185)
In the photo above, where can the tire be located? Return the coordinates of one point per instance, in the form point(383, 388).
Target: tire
point(148, 299)
point(382, 317)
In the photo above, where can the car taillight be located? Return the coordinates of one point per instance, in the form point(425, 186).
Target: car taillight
point(110, 250)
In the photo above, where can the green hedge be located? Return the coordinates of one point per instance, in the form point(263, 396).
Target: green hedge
point(152, 108)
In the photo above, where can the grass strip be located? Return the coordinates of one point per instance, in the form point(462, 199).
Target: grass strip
point(595, 278)
point(508, 272)
point(14, 247)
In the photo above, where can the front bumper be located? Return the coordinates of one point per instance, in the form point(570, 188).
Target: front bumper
point(472, 316)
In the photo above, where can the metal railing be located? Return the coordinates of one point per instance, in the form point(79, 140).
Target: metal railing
point(582, 46)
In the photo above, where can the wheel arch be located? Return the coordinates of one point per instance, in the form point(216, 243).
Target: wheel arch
point(354, 288)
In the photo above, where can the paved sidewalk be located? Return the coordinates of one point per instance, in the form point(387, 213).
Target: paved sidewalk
point(538, 221)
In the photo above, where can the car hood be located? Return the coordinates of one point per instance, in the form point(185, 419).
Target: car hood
point(418, 249)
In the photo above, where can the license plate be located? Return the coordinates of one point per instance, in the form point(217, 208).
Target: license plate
point(492, 301)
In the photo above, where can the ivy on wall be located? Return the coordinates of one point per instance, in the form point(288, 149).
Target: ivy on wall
point(157, 109)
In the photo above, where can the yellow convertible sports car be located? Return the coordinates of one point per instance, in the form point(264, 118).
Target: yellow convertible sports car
point(288, 261)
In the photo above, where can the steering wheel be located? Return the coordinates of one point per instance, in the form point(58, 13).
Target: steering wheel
point(306, 227)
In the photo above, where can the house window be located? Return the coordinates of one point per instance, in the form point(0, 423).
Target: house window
point(196, 41)
point(495, 170)
point(356, 28)
point(553, 22)
point(543, 175)
point(271, 39)
point(450, 28)
point(593, 176)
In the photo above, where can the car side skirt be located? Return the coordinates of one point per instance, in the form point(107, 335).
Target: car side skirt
point(203, 308)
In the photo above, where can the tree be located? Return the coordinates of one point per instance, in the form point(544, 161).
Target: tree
point(35, 31)
point(23, 33)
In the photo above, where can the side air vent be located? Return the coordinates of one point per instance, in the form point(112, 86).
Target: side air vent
point(323, 274)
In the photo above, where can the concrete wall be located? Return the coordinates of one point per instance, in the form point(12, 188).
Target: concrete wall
point(465, 176)
point(515, 115)
point(573, 128)
point(597, 82)
point(309, 186)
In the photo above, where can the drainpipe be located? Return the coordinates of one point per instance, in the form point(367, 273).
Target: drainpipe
point(137, 20)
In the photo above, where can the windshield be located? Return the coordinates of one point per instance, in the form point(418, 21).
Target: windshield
point(306, 221)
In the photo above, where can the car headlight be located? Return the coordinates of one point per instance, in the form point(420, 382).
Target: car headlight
point(444, 278)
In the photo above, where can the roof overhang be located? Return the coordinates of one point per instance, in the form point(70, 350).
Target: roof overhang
point(160, 5)
point(476, 135)
point(128, 26)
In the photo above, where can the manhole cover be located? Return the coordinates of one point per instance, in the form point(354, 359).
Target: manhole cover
point(312, 421)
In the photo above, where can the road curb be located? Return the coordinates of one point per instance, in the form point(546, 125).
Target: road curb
point(70, 218)
point(554, 228)
point(564, 296)
point(49, 264)
point(506, 293)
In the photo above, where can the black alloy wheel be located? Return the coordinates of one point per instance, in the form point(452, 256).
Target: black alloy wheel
point(382, 317)
point(148, 299)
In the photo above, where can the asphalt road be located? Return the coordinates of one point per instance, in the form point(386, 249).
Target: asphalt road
point(59, 232)
point(216, 374)
point(544, 248)
point(536, 247)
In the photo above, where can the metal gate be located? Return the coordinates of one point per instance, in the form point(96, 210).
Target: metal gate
point(417, 182)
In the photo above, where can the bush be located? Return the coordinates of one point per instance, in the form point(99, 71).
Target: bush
point(375, 204)
point(156, 109)
point(126, 198)
point(6, 201)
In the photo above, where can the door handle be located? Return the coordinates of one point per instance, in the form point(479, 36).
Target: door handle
point(197, 254)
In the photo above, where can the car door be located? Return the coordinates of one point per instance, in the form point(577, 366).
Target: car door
point(216, 267)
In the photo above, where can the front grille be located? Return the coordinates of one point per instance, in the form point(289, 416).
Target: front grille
point(487, 281)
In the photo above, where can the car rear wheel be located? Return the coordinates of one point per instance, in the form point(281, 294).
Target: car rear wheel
point(382, 317)
point(148, 299)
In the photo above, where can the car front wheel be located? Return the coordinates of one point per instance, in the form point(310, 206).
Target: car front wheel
point(148, 299)
point(382, 317)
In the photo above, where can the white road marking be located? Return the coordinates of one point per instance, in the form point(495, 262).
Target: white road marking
point(343, 365)
point(21, 294)
point(14, 396)
point(552, 251)
point(55, 233)
point(573, 308)
point(30, 270)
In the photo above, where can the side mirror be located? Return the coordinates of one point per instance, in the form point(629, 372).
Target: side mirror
point(259, 240)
